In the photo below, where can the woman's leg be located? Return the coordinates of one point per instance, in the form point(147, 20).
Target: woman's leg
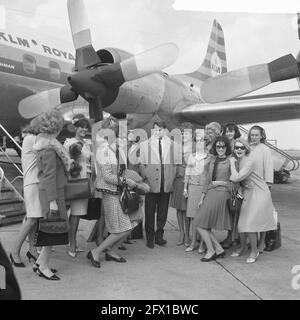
point(43, 261)
point(187, 222)
point(31, 238)
point(261, 243)
point(243, 248)
point(114, 247)
point(218, 248)
point(206, 238)
point(74, 222)
point(180, 220)
point(29, 224)
point(253, 243)
point(100, 232)
point(112, 239)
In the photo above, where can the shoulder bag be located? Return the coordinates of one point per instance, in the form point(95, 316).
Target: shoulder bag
point(78, 189)
point(235, 201)
point(52, 231)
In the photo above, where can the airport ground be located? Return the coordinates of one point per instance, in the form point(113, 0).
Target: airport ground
point(171, 273)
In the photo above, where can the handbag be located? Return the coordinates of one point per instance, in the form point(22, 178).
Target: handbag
point(52, 231)
point(129, 199)
point(235, 201)
point(93, 210)
point(78, 189)
point(273, 239)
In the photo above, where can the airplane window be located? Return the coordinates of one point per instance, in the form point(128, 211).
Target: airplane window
point(29, 64)
point(54, 70)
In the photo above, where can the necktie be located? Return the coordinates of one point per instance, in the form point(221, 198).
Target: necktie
point(161, 166)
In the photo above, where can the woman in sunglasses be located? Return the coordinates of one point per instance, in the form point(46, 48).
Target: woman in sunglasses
point(256, 213)
point(214, 213)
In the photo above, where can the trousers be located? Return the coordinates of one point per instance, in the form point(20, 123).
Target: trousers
point(156, 202)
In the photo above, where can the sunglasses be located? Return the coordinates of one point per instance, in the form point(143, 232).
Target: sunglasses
point(220, 147)
point(239, 147)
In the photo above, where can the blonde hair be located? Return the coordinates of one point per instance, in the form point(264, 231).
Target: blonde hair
point(245, 143)
point(214, 126)
point(49, 122)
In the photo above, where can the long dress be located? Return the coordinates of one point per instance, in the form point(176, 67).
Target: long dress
point(257, 210)
point(263, 163)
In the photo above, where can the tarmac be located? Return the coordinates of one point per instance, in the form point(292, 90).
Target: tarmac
point(169, 273)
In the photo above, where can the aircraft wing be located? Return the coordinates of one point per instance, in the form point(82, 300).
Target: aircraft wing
point(250, 109)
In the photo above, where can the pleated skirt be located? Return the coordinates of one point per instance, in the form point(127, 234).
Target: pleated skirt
point(214, 213)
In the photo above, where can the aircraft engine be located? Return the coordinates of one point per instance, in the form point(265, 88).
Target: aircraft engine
point(113, 55)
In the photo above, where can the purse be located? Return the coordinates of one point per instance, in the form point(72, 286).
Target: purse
point(273, 239)
point(235, 201)
point(52, 231)
point(129, 199)
point(93, 210)
point(77, 189)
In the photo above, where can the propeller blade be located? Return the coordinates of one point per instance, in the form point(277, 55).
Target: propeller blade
point(86, 56)
point(150, 61)
point(35, 104)
point(239, 82)
point(95, 109)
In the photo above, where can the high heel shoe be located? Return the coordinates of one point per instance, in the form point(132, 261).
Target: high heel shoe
point(41, 274)
point(16, 264)
point(109, 257)
point(36, 267)
point(190, 249)
point(252, 260)
point(30, 256)
point(220, 255)
point(94, 262)
point(213, 257)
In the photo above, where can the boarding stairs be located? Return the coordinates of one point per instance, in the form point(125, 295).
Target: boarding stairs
point(12, 208)
point(283, 162)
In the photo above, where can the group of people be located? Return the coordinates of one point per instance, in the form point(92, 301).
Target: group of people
point(199, 187)
point(204, 184)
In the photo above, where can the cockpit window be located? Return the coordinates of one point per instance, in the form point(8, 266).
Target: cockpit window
point(29, 64)
point(54, 70)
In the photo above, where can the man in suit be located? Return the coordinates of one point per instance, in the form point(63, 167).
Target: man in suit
point(158, 169)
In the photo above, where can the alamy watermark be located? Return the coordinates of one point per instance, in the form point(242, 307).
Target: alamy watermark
point(2, 278)
point(296, 278)
point(178, 145)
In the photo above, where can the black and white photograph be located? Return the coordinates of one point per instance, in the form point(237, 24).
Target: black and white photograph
point(149, 152)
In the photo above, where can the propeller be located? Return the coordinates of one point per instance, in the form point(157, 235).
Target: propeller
point(86, 56)
point(94, 81)
point(239, 82)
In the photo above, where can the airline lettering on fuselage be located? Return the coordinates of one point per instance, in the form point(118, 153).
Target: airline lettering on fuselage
point(17, 40)
point(58, 53)
point(25, 43)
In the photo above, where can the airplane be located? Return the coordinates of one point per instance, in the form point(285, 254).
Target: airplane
point(116, 81)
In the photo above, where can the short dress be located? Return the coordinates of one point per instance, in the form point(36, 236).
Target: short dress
point(195, 175)
point(214, 213)
point(178, 201)
point(116, 221)
point(30, 178)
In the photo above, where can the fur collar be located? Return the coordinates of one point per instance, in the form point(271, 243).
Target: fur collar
point(48, 142)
